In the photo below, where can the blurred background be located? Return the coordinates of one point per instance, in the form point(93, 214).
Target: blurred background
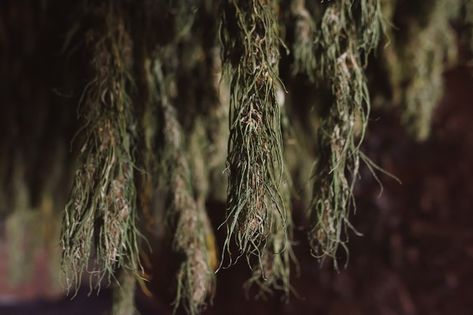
point(415, 256)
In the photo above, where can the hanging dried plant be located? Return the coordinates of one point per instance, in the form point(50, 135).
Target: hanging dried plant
point(251, 43)
point(102, 202)
point(304, 37)
point(340, 45)
point(191, 229)
point(273, 272)
point(416, 59)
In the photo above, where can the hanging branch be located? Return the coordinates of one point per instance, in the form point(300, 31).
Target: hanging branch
point(102, 201)
point(250, 42)
point(346, 33)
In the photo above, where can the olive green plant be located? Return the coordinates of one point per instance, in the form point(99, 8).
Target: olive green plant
point(195, 277)
point(349, 31)
point(103, 199)
point(250, 41)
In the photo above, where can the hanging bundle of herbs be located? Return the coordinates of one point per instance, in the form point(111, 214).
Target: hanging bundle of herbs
point(251, 44)
point(349, 31)
point(102, 205)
